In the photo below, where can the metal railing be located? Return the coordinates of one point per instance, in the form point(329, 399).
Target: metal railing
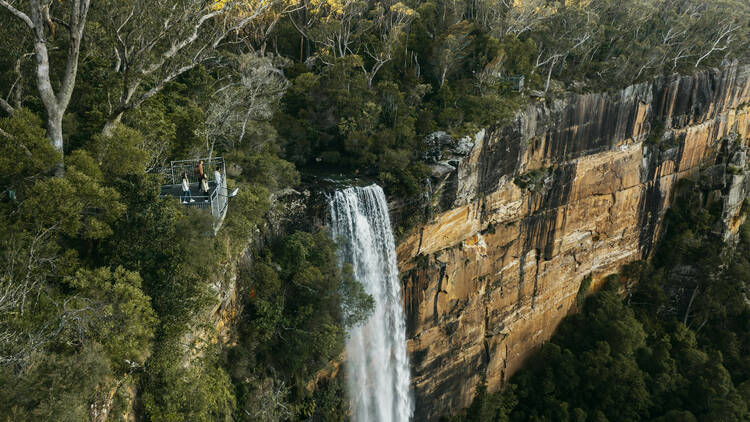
point(217, 199)
point(176, 169)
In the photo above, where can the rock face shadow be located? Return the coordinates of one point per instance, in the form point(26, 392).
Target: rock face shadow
point(568, 189)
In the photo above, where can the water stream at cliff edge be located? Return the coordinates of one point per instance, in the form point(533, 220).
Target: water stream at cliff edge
point(377, 364)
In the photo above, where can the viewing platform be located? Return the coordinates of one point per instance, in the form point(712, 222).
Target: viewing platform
point(215, 201)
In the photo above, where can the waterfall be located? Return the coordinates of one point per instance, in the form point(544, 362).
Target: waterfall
point(377, 367)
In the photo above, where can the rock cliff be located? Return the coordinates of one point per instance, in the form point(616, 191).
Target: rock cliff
point(572, 188)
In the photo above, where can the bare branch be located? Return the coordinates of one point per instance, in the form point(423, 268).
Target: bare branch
point(725, 34)
point(187, 34)
point(17, 13)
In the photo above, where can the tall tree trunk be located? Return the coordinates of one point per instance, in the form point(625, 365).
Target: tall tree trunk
point(55, 103)
point(55, 134)
point(549, 76)
point(112, 121)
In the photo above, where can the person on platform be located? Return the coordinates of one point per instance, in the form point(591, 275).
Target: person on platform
point(217, 178)
point(204, 187)
point(186, 190)
point(199, 173)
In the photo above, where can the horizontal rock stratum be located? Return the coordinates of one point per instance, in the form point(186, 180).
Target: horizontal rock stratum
point(569, 189)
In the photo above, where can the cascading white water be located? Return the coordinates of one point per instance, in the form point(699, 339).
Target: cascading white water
point(377, 365)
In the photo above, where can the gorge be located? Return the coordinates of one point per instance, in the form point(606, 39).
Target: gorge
point(480, 211)
point(572, 188)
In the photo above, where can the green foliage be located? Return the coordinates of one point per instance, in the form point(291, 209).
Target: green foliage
point(583, 290)
point(330, 399)
point(316, 293)
point(334, 119)
point(106, 279)
point(675, 351)
point(152, 119)
point(299, 304)
point(171, 123)
point(27, 153)
point(246, 211)
point(121, 314)
point(175, 257)
point(265, 169)
point(76, 204)
point(54, 386)
point(201, 391)
point(450, 70)
point(118, 153)
point(491, 407)
point(656, 132)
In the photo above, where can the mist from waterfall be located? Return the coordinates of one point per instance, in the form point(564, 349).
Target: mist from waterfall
point(377, 367)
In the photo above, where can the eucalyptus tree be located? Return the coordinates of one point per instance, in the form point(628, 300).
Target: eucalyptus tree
point(42, 17)
point(151, 43)
point(564, 33)
point(246, 101)
point(333, 25)
point(723, 27)
point(451, 49)
point(391, 21)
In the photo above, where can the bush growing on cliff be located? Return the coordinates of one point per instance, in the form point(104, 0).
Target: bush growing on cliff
point(299, 302)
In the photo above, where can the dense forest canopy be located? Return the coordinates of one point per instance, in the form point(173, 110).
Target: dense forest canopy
point(105, 287)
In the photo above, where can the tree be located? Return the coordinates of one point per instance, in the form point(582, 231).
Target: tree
point(246, 101)
point(525, 16)
point(40, 22)
point(56, 386)
point(569, 29)
point(333, 25)
point(452, 49)
point(13, 62)
point(27, 153)
point(721, 29)
point(391, 21)
point(114, 312)
point(154, 42)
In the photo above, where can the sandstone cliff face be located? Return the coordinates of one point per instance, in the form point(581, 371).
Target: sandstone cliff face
point(573, 188)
